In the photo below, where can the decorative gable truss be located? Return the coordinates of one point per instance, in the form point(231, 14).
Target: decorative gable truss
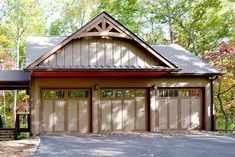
point(103, 28)
point(102, 41)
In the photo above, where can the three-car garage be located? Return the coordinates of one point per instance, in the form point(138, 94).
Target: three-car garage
point(121, 109)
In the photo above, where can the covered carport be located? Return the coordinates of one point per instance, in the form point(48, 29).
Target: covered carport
point(13, 80)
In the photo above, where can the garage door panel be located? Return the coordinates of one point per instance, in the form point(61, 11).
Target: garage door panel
point(163, 113)
point(83, 115)
point(129, 114)
point(140, 113)
point(185, 113)
point(173, 113)
point(179, 108)
point(59, 115)
point(66, 110)
point(72, 115)
point(195, 113)
point(117, 114)
point(106, 115)
point(123, 109)
point(48, 115)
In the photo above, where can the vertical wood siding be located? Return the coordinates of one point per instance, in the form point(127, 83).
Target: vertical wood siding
point(99, 51)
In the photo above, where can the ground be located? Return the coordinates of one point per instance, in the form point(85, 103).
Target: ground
point(19, 148)
point(156, 145)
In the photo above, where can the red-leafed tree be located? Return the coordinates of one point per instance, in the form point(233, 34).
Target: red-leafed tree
point(224, 59)
point(6, 61)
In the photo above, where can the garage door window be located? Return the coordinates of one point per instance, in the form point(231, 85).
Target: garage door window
point(179, 93)
point(53, 94)
point(78, 93)
point(132, 93)
point(168, 93)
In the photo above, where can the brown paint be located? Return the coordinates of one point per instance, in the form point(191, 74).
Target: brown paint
point(148, 110)
point(204, 109)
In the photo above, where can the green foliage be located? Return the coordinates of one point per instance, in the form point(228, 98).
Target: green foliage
point(199, 26)
point(127, 12)
point(23, 18)
point(23, 136)
point(9, 95)
point(73, 15)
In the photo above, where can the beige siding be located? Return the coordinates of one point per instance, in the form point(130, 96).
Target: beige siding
point(93, 51)
point(106, 116)
point(83, 116)
point(185, 113)
point(76, 53)
point(38, 83)
point(72, 115)
point(117, 114)
point(196, 113)
point(129, 114)
point(140, 113)
point(48, 115)
point(59, 115)
point(173, 113)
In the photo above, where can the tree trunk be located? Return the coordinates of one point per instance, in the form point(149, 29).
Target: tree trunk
point(221, 106)
point(4, 108)
point(17, 55)
point(169, 19)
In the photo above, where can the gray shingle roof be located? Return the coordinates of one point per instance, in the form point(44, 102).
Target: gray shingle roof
point(184, 60)
point(38, 46)
point(14, 76)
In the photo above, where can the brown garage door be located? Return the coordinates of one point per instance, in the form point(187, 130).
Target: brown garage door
point(123, 110)
point(66, 110)
point(179, 109)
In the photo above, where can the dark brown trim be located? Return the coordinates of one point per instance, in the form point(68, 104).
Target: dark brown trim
point(91, 111)
point(148, 109)
point(204, 108)
point(212, 105)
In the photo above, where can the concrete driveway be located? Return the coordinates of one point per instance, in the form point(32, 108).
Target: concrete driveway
point(155, 145)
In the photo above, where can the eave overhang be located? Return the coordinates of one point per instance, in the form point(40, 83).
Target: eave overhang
point(99, 73)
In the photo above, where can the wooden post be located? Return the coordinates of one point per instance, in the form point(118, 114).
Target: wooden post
point(17, 126)
point(29, 124)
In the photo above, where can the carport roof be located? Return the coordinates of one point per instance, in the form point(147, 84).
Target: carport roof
point(14, 79)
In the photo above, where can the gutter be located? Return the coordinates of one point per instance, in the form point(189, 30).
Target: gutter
point(212, 79)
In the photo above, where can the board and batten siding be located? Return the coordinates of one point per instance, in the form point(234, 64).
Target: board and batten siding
point(100, 51)
point(40, 83)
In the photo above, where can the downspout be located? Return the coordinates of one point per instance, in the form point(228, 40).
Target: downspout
point(212, 79)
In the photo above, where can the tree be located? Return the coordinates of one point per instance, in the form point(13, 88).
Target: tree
point(73, 15)
point(25, 17)
point(198, 26)
point(224, 59)
point(127, 12)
